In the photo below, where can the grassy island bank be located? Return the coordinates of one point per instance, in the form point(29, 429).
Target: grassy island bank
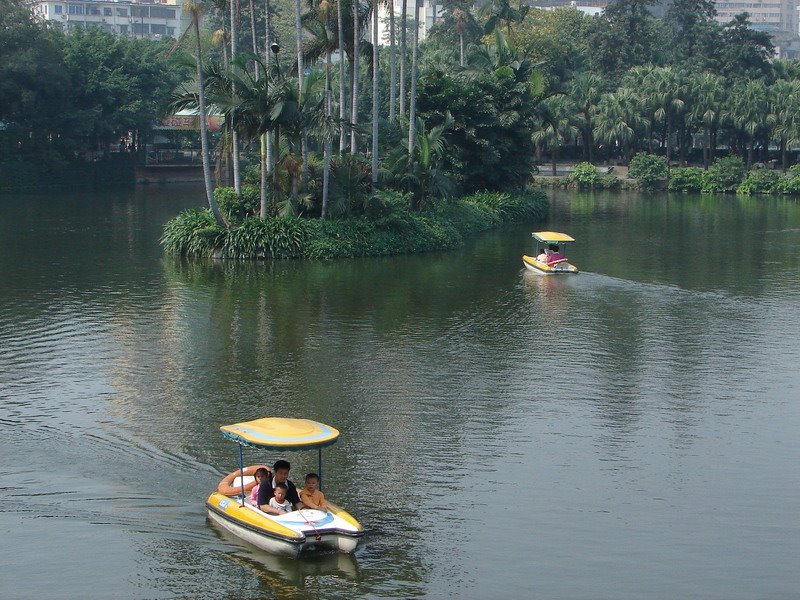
point(386, 228)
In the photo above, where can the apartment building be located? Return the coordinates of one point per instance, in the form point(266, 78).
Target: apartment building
point(772, 16)
point(138, 19)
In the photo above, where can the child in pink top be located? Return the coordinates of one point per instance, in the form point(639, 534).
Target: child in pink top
point(260, 475)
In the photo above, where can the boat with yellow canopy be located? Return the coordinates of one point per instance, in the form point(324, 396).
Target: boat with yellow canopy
point(291, 533)
point(549, 259)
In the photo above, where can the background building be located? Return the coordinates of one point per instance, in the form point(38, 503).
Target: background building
point(776, 16)
point(122, 17)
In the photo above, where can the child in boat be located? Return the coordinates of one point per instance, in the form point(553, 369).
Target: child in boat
point(260, 475)
point(279, 501)
point(311, 497)
point(542, 258)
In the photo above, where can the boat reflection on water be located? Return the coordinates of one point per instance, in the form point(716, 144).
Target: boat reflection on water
point(283, 573)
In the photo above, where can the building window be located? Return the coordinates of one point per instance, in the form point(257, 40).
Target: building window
point(171, 31)
point(141, 29)
point(140, 11)
point(158, 12)
point(122, 12)
point(106, 12)
point(123, 29)
point(57, 9)
point(158, 29)
point(75, 9)
point(92, 10)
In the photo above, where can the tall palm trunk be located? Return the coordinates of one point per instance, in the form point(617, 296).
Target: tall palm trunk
point(403, 27)
point(342, 84)
point(354, 89)
point(461, 48)
point(267, 62)
point(201, 100)
point(237, 181)
point(374, 92)
point(327, 148)
point(412, 105)
point(392, 65)
point(298, 33)
point(253, 34)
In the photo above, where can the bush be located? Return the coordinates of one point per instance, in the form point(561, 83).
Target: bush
point(788, 184)
point(237, 208)
point(585, 175)
point(759, 181)
point(689, 179)
point(392, 229)
point(648, 169)
point(609, 182)
point(724, 175)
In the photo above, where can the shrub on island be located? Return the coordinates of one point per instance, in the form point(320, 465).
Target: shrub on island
point(387, 227)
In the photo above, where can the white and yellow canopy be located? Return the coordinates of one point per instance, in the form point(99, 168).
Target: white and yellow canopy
point(551, 237)
point(276, 433)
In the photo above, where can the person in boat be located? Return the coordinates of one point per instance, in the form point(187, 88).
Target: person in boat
point(554, 255)
point(260, 475)
point(542, 258)
point(266, 490)
point(311, 497)
point(279, 502)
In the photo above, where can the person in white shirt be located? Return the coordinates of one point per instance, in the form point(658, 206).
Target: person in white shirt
point(279, 501)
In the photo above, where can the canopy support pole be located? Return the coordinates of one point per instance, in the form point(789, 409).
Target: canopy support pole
point(241, 471)
point(319, 467)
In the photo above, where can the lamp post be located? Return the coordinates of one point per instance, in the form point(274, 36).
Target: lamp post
point(275, 47)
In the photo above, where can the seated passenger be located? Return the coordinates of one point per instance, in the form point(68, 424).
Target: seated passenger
point(279, 503)
point(554, 255)
point(260, 475)
point(311, 497)
point(280, 475)
point(542, 258)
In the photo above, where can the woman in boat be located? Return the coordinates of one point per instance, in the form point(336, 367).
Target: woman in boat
point(542, 258)
point(554, 255)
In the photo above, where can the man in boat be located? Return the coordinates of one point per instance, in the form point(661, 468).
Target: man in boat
point(554, 255)
point(266, 490)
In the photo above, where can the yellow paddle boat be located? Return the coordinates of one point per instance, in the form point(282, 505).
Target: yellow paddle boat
point(294, 532)
point(549, 259)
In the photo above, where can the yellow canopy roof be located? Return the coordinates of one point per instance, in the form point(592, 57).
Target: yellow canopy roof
point(276, 433)
point(552, 236)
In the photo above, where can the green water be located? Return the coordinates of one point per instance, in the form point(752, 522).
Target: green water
point(628, 432)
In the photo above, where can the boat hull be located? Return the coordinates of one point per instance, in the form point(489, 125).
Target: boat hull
point(289, 534)
point(540, 268)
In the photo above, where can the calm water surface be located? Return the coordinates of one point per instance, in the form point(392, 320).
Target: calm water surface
point(631, 432)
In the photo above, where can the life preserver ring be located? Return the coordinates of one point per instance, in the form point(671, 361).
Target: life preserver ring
point(226, 487)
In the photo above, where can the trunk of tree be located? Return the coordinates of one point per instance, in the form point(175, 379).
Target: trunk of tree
point(327, 147)
point(461, 48)
point(668, 138)
point(354, 89)
point(750, 153)
point(403, 28)
point(375, 82)
point(237, 181)
point(554, 157)
point(263, 209)
point(298, 28)
point(204, 150)
point(267, 62)
point(783, 155)
point(433, 13)
point(706, 148)
point(682, 145)
point(275, 182)
point(412, 104)
point(253, 34)
point(713, 148)
point(392, 66)
point(342, 84)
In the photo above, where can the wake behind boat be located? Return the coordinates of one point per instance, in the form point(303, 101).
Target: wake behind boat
point(549, 259)
point(291, 533)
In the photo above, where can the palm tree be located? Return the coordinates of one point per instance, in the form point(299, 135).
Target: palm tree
point(354, 67)
point(501, 11)
point(666, 86)
point(585, 90)
point(237, 179)
point(195, 10)
point(558, 125)
point(392, 63)
point(784, 100)
point(709, 94)
point(749, 113)
point(618, 120)
point(412, 109)
point(403, 32)
point(420, 167)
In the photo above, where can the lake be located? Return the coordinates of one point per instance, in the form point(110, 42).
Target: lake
point(629, 432)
